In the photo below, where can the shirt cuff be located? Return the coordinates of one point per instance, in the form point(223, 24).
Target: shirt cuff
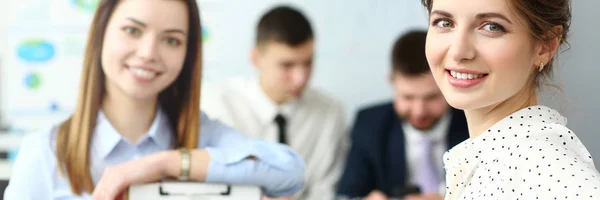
point(270, 154)
point(277, 169)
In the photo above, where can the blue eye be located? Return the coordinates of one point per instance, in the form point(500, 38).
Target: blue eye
point(493, 27)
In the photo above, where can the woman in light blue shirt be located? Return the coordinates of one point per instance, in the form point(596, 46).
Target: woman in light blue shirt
point(138, 100)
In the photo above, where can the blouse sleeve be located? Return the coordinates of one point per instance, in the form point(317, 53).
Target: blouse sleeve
point(277, 168)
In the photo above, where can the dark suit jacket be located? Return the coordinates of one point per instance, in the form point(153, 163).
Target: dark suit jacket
point(377, 158)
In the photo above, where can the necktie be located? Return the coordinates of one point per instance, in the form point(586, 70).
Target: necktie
point(428, 176)
point(281, 125)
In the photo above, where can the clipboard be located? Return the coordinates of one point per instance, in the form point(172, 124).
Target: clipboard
point(176, 190)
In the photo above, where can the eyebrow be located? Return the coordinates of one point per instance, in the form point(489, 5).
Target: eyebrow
point(137, 22)
point(491, 15)
point(478, 16)
point(175, 31)
point(166, 31)
point(443, 13)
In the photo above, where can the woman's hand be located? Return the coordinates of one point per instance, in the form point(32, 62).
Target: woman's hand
point(116, 179)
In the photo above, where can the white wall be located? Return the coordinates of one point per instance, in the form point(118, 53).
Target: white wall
point(3, 22)
point(577, 76)
point(3, 10)
point(353, 42)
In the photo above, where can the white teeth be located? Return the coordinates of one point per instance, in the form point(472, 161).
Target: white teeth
point(465, 76)
point(142, 73)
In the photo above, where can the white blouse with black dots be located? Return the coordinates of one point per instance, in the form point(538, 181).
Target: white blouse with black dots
point(530, 154)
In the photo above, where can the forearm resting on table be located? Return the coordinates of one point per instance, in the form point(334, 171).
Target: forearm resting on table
point(199, 162)
point(170, 165)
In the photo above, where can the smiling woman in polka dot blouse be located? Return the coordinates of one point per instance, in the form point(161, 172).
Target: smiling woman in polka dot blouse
point(489, 59)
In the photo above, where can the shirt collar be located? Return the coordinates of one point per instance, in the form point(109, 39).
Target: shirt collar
point(267, 108)
point(105, 137)
point(160, 131)
point(436, 134)
point(517, 126)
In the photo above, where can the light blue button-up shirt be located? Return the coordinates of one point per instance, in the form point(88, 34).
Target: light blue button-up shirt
point(277, 169)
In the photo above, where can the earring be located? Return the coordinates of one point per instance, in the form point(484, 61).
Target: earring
point(541, 67)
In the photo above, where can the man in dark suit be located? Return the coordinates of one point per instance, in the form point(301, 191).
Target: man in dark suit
point(397, 147)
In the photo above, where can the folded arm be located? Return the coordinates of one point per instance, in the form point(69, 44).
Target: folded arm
point(227, 156)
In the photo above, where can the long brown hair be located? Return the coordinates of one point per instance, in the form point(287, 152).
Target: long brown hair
point(180, 100)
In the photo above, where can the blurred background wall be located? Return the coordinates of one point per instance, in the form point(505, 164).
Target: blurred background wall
point(41, 45)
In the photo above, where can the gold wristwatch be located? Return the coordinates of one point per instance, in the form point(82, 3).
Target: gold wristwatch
point(185, 164)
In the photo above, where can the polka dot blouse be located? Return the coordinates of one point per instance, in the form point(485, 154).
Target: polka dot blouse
point(530, 154)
